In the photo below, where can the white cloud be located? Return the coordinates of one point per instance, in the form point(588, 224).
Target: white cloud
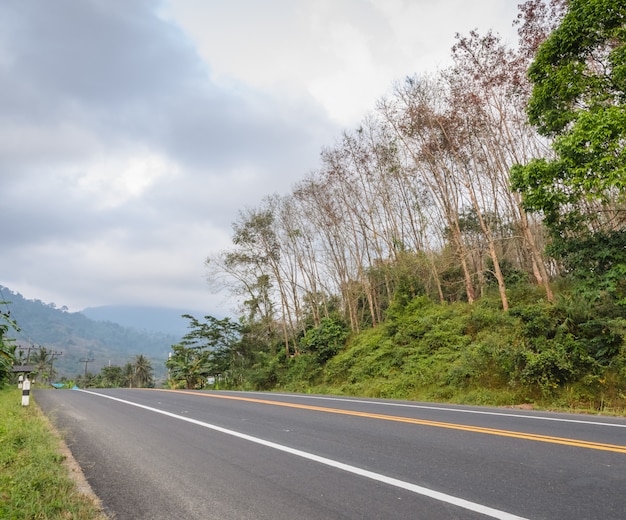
point(112, 181)
point(344, 54)
point(132, 131)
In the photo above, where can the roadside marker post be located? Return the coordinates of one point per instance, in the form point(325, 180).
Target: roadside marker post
point(25, 392)
point(20, 381)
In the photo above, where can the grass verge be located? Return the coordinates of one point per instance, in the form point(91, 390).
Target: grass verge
point(34, 481)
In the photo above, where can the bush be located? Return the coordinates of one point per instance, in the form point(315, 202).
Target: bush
point(326, 340)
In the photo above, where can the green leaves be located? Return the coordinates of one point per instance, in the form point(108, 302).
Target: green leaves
point(598, 263)
point(189, 365)
point(579, 66)
point(579, 77)
point(209, 348)
point(7, 348)
point(326, 340)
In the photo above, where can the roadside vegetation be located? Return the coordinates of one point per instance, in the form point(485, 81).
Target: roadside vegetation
point(564, 355)
point(466, 243)
point(137, 373)
point(34, 483)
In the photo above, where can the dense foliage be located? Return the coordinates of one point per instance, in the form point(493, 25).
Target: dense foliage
point(579, 100)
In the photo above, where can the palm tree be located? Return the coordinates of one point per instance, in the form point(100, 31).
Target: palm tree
point(129, 375)
point(42, 359)
point(143, 372)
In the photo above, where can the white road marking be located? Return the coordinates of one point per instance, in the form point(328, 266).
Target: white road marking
point(442, 497)
point(441, 408)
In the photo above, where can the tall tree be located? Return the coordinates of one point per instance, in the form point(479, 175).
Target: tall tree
point(143, 372)
point(419, 117)
point(110, 376)
point(579, 101)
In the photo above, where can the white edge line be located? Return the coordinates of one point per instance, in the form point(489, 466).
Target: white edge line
point(441, 408)
point(442, 497)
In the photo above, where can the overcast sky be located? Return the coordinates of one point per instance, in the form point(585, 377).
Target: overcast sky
point(132, 131)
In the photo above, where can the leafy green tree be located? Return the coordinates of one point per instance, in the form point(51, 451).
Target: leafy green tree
point(110, 376)
point(188, 364)
point(579, 102)
point(209, 348)
point(214, 334)
point(326, 340)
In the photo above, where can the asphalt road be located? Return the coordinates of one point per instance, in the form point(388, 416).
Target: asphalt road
point(154, 454)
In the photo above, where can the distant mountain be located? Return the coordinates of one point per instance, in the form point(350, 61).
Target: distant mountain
point(79, 337)
point(152, 319)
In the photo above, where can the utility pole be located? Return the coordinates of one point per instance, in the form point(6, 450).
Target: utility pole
point(86, 361)
point(28, 349)
point(52, 356)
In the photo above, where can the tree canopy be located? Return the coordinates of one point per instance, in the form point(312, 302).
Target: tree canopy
point(208, 349)
point(578, 102)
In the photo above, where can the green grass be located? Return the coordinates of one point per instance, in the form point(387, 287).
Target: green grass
point(34, 482)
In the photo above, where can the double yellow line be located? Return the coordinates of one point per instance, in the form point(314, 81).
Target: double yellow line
point(452, 426)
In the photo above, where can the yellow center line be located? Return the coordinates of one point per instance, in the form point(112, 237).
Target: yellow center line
point(453, 426)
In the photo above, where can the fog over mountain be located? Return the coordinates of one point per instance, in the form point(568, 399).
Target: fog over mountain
point(152, 319)
point(112, 336)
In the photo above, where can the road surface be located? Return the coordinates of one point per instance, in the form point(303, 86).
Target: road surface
point(158, 454)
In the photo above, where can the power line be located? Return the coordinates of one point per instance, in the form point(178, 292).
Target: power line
point(32, 347)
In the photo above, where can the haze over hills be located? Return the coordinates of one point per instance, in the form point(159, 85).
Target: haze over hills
point(96, 334)
point(152, 319)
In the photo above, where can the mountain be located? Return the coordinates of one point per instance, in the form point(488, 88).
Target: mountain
point(153, 319)
point(79, 337)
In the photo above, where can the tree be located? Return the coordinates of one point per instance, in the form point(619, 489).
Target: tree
point(579, 101)
point(7, 349)
point(42, 359)
point(142, 372)
point(128, 377)
point(111, 376)
point(326, 340)
point(209, 348)
point(257, 265)
point(189, 365)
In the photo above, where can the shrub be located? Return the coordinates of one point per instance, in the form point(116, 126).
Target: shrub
point(325, 340)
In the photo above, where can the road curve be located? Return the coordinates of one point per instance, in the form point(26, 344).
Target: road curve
point(157, 454)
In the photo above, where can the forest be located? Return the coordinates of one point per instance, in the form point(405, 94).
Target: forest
point(466, 242)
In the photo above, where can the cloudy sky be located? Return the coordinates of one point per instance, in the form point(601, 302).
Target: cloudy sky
point(132, 131)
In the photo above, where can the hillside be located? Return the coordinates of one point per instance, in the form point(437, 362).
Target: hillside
point(79, 337)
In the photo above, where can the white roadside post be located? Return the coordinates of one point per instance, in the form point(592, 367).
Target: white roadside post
point(20, 380)
point(25, 392)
